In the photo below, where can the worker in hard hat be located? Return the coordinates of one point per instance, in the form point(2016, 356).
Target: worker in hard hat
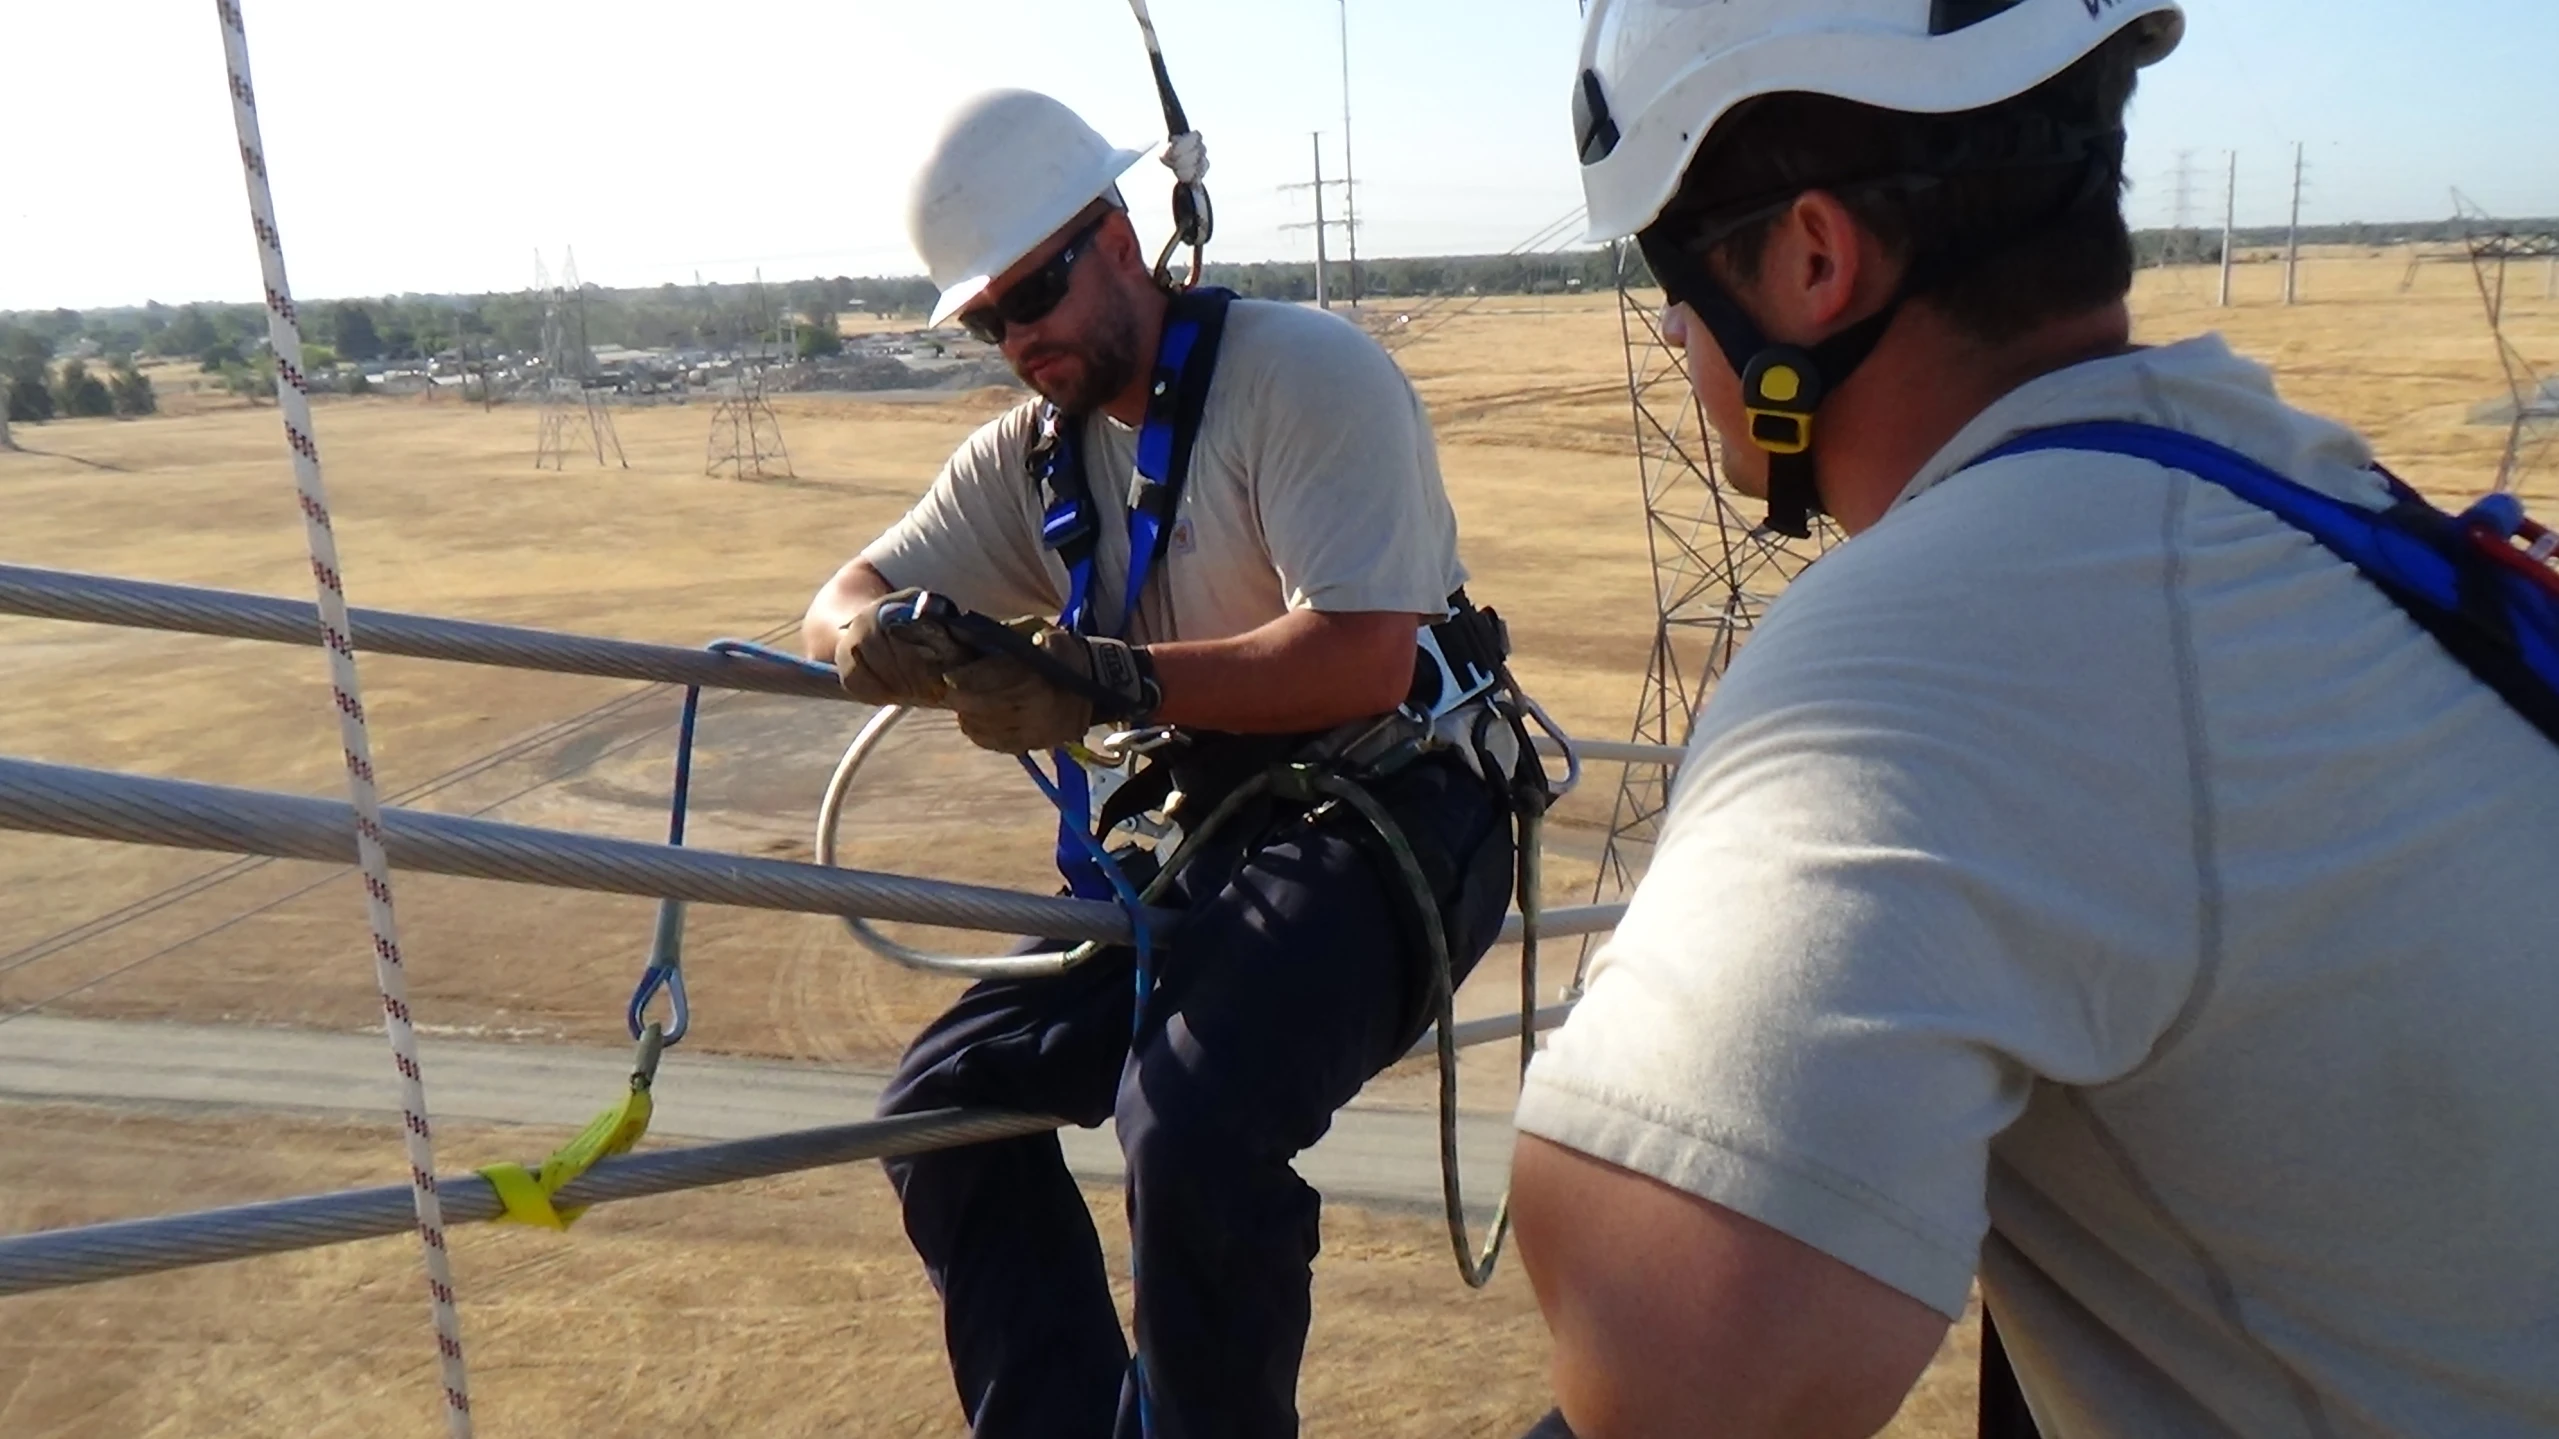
point(2085, 882)
point(1222, 524)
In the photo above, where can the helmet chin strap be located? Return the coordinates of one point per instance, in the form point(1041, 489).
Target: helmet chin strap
point(1782, 387)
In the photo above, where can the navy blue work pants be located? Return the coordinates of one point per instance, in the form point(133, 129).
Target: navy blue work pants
point(1298, 974)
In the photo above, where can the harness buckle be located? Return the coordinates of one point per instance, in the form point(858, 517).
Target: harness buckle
point(1121, 746)
point(1780, 390)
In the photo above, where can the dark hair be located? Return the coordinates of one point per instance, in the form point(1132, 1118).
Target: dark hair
point(2002, 237)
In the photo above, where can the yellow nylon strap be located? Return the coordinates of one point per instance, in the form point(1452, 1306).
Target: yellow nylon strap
point(527, 1193)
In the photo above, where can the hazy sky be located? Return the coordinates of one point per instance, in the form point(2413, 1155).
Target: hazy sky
point(436, 147)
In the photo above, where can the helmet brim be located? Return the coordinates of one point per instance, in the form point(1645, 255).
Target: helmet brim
point(960, 294)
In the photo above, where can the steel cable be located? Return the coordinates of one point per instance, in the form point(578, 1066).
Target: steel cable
point(193, 885)
point(98, 804)
point(231, 871)
point(146, 604)
point(54, 1259)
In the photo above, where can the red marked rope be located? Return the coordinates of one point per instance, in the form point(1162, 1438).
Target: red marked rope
point(294, 401)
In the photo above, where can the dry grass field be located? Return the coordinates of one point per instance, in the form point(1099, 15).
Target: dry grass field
point(790, 1307)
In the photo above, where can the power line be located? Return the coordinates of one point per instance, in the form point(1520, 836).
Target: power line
point(194, 885)
point(337, 874)
point(1424, 319)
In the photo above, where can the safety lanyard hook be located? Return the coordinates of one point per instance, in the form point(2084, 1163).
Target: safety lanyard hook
point(665, 972)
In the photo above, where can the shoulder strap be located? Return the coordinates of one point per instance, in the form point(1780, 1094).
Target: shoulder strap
point(1056, 465)
point(1185, 367)
point(2494, 607)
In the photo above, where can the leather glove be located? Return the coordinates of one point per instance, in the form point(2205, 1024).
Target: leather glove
point(1006, 705)
point(877, 668)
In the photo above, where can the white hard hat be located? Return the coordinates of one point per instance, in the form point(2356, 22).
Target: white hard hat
point(1657, 74)
point(1012, 167)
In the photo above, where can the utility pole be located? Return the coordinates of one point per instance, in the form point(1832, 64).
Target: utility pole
point(2179, 247)
point(1350, 187)
point(1323, 285)
point(1322, 300)
point(2229, 224)
point(2292, 237)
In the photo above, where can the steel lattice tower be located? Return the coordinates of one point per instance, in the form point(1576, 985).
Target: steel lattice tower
point(2492, 246)
point(1715, 568)
point(746, 436)
point(566, 360)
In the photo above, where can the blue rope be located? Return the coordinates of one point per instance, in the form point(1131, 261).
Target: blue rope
point(665, 971)
point(1141, 944)
point(1140, 940)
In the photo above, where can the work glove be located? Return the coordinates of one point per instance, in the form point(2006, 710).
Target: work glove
point(1006, 705)
point(1186, 155)
point(878, 668)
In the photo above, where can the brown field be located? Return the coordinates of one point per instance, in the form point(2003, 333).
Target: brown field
point(790, 1309)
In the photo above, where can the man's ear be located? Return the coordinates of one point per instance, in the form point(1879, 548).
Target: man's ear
point(1819, 261)
point(1118, 239)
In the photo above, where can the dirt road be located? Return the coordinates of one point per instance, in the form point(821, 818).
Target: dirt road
point(1383, 1155)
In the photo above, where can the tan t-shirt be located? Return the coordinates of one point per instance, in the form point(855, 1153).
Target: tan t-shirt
point(2084, 876)
point(1314, 485)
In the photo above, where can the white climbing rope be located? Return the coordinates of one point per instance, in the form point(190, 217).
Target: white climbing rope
point(293, 400)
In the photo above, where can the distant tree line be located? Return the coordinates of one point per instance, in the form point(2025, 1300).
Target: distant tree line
point(33, 389)
point(229, 340)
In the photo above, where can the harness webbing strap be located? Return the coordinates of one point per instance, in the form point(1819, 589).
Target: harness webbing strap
point(2499, 621)
point(1185, 368)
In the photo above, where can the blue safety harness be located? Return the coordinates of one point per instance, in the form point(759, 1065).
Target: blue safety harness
point(1185, 363)
point(2480, 581)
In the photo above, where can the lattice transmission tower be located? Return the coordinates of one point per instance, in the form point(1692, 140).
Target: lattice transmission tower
point(746, 436)
point(568, 402)
point(2532, 432)
point(1715, 568)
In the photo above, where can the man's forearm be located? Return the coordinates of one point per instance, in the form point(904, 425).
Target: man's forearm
point(855, 585)
point(1304, 671)
point(1307, 670)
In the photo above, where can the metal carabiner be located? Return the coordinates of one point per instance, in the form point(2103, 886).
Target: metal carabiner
point(1120, 746)
point(665, 972)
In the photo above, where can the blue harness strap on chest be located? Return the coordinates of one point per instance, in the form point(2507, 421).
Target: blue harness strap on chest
point(2461, 578)
point(1185, 365)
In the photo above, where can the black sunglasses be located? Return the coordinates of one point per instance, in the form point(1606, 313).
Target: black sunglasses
point(1029, 299)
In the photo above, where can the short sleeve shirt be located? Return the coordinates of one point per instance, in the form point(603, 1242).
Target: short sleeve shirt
point(2084, 877)
point(1314, 485)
